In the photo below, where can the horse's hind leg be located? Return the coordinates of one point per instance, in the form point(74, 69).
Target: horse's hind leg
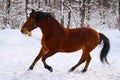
point(50, 53)
point(87, 63)
point(83, 58)
point(42, 52)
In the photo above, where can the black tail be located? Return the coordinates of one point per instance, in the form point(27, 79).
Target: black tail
point(105, 49)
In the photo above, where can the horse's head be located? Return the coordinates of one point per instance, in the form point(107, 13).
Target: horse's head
point(37, 19)
point(30, 24)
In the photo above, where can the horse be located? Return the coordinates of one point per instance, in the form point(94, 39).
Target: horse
point(57, 38)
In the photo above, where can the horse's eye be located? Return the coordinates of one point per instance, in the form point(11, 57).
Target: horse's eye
point(31, 21)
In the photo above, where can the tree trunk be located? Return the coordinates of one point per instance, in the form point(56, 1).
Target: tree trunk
point(46, 2)
point(7, 22)
point(8, 6)
point(106, 4)
point(39, 4)
point(26, 8)
point(119, 14)
point(88, 12)
point(62, 18)
point(83, 13)
point(69, 19)
point(69, 14)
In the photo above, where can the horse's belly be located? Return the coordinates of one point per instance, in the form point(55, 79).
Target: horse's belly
point(71, 47)
point(69, 50)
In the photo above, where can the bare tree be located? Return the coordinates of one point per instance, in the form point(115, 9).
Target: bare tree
point(46, 2)
point(61, 8)
point(119, 14)
point(10, 9)
point(106, 4)
point(39, 4)
point(6, 19)
point(69, 14)
point(83, 13)
point(8, 6)
point(69, 19)
point(88, 12)
point(26, 8)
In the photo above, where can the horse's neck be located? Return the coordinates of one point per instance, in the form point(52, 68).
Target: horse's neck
point(50, 27)
point(44, 28)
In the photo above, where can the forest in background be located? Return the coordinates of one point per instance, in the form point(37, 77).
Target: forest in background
point(70, 13)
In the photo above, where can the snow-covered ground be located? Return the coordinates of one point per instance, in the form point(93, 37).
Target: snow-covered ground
point(17, 52)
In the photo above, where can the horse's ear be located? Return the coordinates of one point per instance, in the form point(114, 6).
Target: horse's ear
point(33, 12)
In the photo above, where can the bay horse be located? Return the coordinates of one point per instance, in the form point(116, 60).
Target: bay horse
point(57, 38)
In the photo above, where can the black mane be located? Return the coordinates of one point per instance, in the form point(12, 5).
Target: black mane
point(40, 15)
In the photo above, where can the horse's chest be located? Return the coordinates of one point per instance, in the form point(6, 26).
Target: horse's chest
point(50, 42)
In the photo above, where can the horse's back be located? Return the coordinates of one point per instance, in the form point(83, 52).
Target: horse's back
point(79, 38)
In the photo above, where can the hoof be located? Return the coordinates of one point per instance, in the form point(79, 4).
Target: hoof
point(84, 70)
point(49, 68)
point(72, 69)
point(30, 68)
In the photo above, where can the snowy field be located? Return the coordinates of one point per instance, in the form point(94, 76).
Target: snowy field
point(17, 52)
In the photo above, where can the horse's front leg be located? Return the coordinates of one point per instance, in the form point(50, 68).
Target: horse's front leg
point(41, 53)
point(48, 54)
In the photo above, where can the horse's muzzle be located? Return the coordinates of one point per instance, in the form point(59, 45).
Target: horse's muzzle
point(26, 32)
point(22, 31)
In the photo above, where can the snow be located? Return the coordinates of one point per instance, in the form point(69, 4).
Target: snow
point(18, 51)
